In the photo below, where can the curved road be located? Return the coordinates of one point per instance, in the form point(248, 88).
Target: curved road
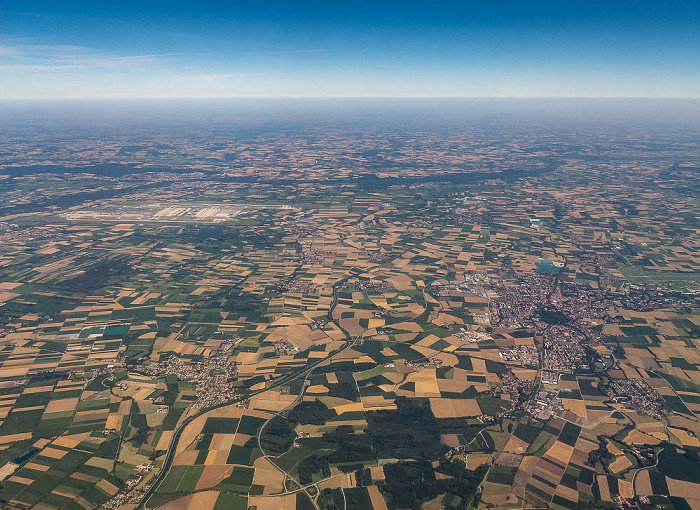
point(306, 371)
point(350, 343)
point(170, 453)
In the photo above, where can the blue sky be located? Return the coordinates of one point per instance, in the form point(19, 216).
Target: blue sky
point(568, 48)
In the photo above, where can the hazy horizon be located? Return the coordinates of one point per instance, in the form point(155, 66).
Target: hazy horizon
point(78, 49)
point(673, 109)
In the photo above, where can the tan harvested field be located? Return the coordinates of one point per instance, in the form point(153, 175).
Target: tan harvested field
point(560, 452)
point(474, 460)
point(271, 401)
point(578, 407)
point(8, 296)
point(683, 489)
point(8, 469)
point(35, 466)
point(612, 448)
point(452, 385)
point(53, 453)
point(186, 458)
point(454, 408)
point(37, 389)
point(637, 437)
point(567, 493)
point(220, 441)
point(516, 445)
point(352, 326)
point(479, 365)
point(344, 407)
point(213, 475)
point(427, 388)
point(199, 501)
point(626, 489)
point(217, 457)
point(114, 421)
point(273, 502)
point(347, 480)
point(268, 475)
point(22, 480)
point(239, 440)
point(11, 438)
point(496, 494)
point(164, 440)
point(620, 464)
point(525, 374)
point(377, 473)
point(376, 497)
point(15, 371)
point(568, 385)
point(642, 484)
point(319, 389)
point(603, 487)
point(451, 440)
point(684, 437)
point(57, 406)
